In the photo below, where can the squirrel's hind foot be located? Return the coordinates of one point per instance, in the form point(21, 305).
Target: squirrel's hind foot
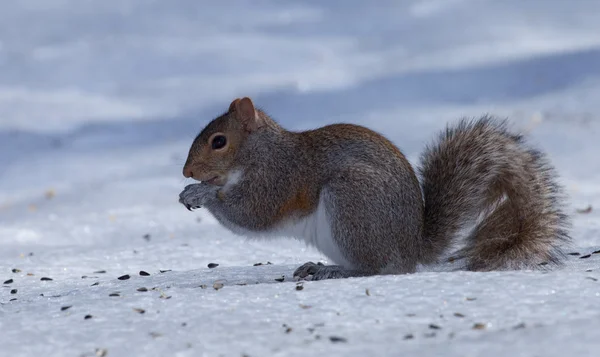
point(320, 271)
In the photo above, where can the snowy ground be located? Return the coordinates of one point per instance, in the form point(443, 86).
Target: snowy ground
point(99, 101)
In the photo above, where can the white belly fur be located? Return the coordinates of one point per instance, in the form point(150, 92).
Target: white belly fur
point(313, 229)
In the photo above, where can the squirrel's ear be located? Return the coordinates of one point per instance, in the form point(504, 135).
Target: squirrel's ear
point(246, 113)
point(233, 105)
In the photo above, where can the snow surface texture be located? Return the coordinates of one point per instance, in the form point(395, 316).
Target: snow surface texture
point(99, 101)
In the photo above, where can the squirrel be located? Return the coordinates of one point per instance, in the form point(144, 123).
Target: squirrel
point(352, 194)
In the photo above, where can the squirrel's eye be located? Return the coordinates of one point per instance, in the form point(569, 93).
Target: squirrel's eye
point(219, 142)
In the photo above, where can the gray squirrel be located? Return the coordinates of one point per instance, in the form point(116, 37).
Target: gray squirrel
point(351, 193)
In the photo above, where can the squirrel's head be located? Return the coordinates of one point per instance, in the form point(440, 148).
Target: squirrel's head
point(212, 154)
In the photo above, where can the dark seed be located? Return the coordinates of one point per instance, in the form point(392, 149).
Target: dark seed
point(100, 272)
point(543, 263)
point(585, 256)
point(409, 336)
point(596, 252)
point(114, 294)
point(519, 326)
point(141, 311)
point(15, 270)
point(65, 308)
point(87, 317)
point(164, 271)
point(212, 265)
point(458, 314)
point(434, 327)
point(13, 291)
point(471, 299)
point(367, 292)
point(142, 289)
point(183, 324)
point(124, 277)
point(280, 279)
point(147, 237)
point(9, 281)
point(84, 277)
point(574, 254)
point(13, 299)
point(259, 264)
point(94, 284)
point(46, 279)
point(299, 287)
point(288, 330)
point(336, 339)
point(143, 273)
point(593, 279)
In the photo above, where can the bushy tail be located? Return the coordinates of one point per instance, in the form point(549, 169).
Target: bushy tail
point(480, 174)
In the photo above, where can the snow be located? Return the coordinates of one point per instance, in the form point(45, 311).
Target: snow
point(99, 102)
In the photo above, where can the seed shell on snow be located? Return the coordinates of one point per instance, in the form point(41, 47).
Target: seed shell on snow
point(143, 273)
point(9, 281)
point(63, 308)
point(124, 277)
point(46, 279)
point(479, 326)
point(217, 286)
point(212, 265)
point(15, 270)
point(13, 291)
point(142, 289)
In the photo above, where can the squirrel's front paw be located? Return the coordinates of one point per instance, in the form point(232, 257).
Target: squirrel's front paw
point(194, 195)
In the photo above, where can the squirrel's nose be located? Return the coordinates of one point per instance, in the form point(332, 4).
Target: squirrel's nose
point(187, 172)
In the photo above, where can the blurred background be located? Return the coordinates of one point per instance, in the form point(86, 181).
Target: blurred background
point(100, 100)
